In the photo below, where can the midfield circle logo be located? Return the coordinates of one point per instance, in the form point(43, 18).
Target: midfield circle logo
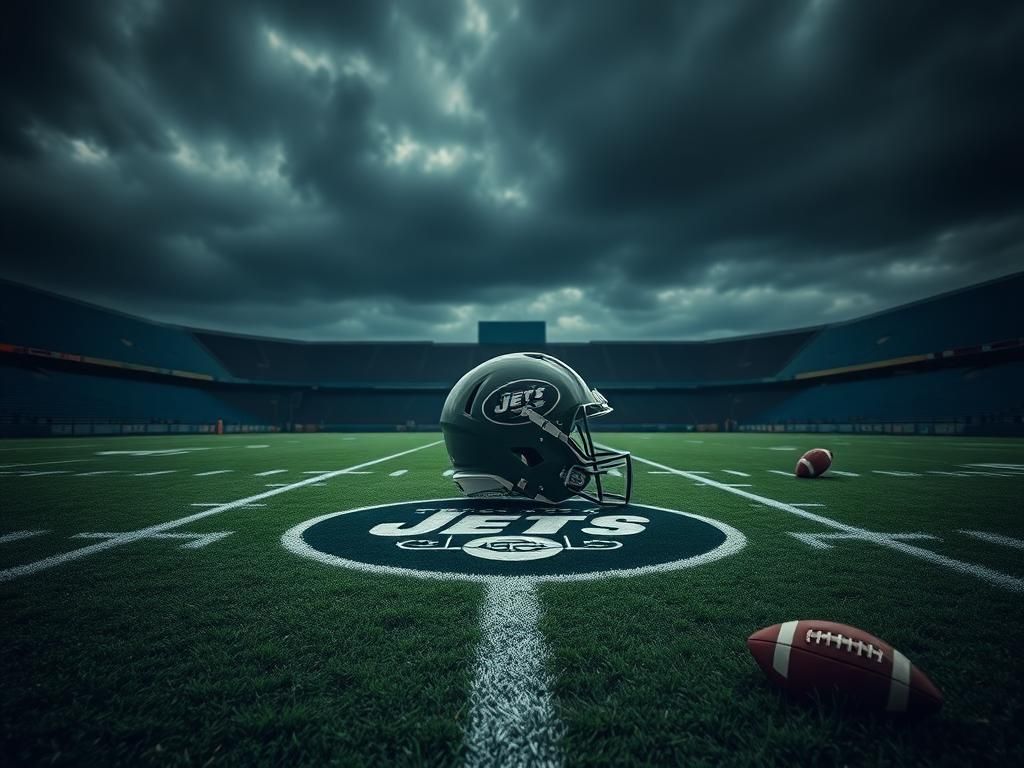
point(484, 539)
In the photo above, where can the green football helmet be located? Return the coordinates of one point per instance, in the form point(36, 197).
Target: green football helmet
point(518, 425)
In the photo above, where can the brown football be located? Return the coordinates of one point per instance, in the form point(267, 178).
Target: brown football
point(814, 463)
point(820, 656)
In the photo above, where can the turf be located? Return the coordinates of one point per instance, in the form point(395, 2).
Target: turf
point(241, 652)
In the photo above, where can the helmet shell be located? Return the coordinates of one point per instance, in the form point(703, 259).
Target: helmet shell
point(488, 435)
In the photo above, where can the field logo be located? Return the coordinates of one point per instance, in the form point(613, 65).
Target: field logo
point(484, 539)
point(506, 403)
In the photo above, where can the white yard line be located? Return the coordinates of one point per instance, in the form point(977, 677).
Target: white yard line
point(19, 535)
point(997, 578)
point(219, 503)
point(995, 538)
point(779, 472)
point(50, 447)
point(158, 472)
point(49, 472)
point(131, 536)
point(270, 472)
point(512, 718)
point(735, 472)
point(213, 472)
point(344, 472)
point(844, 474)
point(398, 473)
point(40, 463)
point(893, 473)
point(99, 472)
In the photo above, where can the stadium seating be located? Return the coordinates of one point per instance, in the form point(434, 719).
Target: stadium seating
point(956, 393)
point(38, 393)
point(604, 363)
point(756, 381)
point(981, 314)
point(33, 318)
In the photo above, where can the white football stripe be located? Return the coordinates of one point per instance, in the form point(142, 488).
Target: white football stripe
point(844, 474)
point(899, 686)
point(512, 719)
point(994, 577)
point(142, 533)
point(995, 538)
point(18, 535)
point(735, 472)
point(783, 645)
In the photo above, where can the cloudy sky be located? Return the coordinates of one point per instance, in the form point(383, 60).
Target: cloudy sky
point(622, 170)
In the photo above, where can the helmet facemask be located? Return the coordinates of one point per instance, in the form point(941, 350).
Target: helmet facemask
point(590, 463)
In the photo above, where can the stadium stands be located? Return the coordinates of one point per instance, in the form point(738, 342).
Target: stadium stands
point(957, 358)
point(422, 363)
point(47, 393)
point(34, 318)
point(990, 392)
point(981, 314)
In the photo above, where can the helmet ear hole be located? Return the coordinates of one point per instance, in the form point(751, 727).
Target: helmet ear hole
point(529, 456)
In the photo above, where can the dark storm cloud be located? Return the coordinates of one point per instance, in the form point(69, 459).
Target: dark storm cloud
point(390, 170)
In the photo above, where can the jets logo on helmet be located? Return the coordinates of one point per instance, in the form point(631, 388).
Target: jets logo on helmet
point(506, 404)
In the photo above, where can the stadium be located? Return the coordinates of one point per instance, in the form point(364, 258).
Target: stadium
point(175, 439)
point(511, 384)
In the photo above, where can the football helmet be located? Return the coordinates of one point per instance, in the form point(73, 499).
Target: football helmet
point(518, 425)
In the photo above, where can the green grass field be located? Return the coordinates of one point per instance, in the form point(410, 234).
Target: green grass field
point(161, 649)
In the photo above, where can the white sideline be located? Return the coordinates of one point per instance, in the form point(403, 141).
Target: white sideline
point(997, 578)
point(130, 536)
point(512, 720)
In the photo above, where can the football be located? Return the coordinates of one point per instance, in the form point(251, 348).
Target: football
point(814, 463)
point(804, 657)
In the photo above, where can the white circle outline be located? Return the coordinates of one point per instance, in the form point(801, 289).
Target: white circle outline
point(293, 541)
point(483, 409)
